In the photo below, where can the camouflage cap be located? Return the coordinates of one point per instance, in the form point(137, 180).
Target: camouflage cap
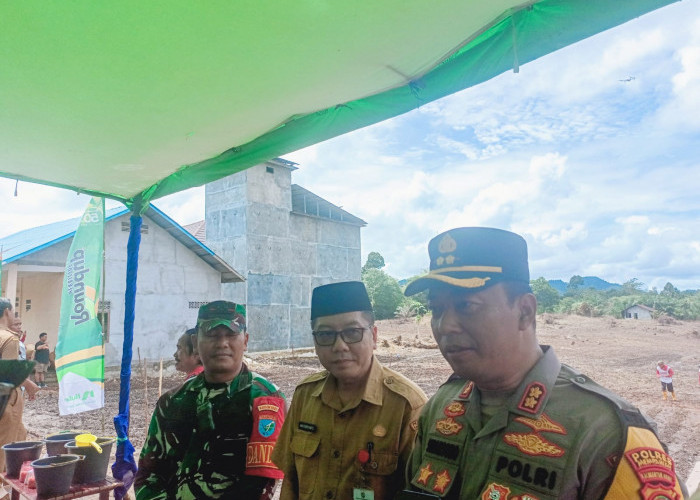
point(221, 312)
point(474, 258)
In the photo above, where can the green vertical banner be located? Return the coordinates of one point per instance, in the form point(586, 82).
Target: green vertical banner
point(79, 350)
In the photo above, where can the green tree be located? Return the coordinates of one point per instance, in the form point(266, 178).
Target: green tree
point(374, 261)
point(575, 283)
point(547, 296)
point(633, 287)
point(671, 290)
point(384, 292)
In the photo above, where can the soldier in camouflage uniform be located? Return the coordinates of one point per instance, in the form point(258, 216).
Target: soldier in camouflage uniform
point(513, 422)
point(206, 438)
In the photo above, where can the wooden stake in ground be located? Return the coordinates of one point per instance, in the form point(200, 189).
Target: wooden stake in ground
point(160, 379)
point(145, 383)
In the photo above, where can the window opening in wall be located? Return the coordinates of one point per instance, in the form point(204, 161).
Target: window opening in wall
point(636, 316)
point(196, 305)
point(126, 226)
point(270, 170)
point(27, 304)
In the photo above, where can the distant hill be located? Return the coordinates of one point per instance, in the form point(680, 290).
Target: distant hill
point(588, 282)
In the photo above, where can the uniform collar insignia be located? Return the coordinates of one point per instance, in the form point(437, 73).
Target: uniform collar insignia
point(533, 397)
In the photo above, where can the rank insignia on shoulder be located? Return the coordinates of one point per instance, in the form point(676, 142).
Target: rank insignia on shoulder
point(455, 409)
point(533, 397)
point(448, 426)
point(466, 390)
point(442, 481)
point(542, 424)
point(305, 426)
point(532, 444)
point(495, 491)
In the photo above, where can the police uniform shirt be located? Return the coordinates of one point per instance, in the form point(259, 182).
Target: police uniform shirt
point(559, 435)
point(320, 443)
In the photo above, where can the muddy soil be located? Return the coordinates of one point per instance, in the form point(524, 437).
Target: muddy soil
point(619, 354)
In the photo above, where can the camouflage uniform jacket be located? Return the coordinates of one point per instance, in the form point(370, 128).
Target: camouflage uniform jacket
point(196, 443)
point(559, 435)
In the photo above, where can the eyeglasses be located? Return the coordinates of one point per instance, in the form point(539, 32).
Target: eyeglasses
point(349, 336)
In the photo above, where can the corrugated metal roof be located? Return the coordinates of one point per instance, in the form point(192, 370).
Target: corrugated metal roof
point(23, 243)
point(18, 245)
point(307, 203)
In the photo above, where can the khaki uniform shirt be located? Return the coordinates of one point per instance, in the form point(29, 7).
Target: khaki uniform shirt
point(560, 435)
point(11, 426)
point(320, 440)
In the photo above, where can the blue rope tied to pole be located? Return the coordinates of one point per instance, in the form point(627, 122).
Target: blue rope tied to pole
point(124, 468)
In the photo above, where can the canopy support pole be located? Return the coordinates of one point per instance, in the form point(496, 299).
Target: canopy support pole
point(124, 468)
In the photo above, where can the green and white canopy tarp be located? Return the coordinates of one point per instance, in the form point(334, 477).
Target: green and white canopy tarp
point(135, 100)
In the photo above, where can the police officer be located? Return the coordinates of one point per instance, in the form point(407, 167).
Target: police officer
point(512, 421)
point(350, 429)
point(212, 436)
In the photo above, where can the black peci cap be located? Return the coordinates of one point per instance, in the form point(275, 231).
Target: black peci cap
point(337, 298)
point(474, 258)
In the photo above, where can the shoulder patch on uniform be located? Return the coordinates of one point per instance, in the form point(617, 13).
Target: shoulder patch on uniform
point(405, 388)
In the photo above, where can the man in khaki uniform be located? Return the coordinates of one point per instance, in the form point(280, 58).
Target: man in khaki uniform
point(513, 422)
point(350, 429)
point(11, 427)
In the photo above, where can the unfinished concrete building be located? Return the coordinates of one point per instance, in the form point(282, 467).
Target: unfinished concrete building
point(285, 241)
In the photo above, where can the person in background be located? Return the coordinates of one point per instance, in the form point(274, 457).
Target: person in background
point(186, 359)
point(512, 421)
point(665, 374)
point(41, 356)
point(350, 429)
point(28, 387)
point(212, 436)
point(11, 426)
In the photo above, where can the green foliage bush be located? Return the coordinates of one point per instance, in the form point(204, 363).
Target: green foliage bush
point(384, 292)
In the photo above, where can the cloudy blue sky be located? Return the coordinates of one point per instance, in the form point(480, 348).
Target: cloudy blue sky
point(591, 153)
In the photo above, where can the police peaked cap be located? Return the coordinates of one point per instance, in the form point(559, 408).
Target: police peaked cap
point(474, 258)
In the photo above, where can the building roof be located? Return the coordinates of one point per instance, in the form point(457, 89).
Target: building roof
point(23, 243)
point(307, 203)
point(650, 309)
point(197, 229)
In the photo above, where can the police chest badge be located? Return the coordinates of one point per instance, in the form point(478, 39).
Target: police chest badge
point(448, 426)
point(495, 491)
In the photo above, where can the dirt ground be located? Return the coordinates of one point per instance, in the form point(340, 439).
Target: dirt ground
point(619, 354)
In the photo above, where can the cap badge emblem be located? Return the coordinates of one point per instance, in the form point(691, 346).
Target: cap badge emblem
point(447, 244)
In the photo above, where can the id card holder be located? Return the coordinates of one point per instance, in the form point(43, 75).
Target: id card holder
point(362, 494)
